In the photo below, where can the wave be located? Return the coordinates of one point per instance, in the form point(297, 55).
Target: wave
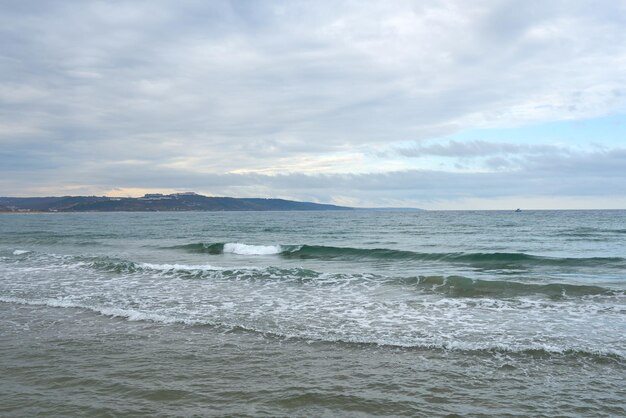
point(20, 252)
point(464, 287)
point(231, 247)
point(115, 312)
point(217, 248)
point(495, 260)
point(115, 266)
point(450, 286)
point(487, 347)
point(245, 249)
point(200, 271)
point(591, 232)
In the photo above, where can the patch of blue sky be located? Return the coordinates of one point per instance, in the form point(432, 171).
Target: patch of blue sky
point(609, 131)
point(497, 149)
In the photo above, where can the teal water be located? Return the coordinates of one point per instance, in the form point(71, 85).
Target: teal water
point(313, 314)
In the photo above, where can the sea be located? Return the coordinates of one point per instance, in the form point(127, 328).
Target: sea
point(313, 314)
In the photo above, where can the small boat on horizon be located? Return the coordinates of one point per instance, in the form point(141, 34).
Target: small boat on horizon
point(518, 210)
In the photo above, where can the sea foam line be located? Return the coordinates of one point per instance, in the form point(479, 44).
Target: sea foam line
point(180, 267)
point(462, 346)
point(129, 314)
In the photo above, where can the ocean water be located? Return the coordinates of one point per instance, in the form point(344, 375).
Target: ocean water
point(313, 314)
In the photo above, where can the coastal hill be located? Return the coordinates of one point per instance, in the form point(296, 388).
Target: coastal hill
point(154, 202)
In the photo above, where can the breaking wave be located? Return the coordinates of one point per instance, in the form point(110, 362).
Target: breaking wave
point(245, 249)
point(493, 260)
point(232, 248)
point(450, 286)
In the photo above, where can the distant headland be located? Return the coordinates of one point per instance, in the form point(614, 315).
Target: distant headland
point(155, 202)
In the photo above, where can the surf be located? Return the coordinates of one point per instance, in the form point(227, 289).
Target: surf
point(494, 260)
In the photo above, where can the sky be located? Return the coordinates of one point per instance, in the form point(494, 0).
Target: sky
point(431, 104)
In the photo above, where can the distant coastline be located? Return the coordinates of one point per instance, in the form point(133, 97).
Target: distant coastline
point(177, 202)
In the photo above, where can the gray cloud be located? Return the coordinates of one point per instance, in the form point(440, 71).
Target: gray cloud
point(97, 95)
point(589, 175)
point(477, 149)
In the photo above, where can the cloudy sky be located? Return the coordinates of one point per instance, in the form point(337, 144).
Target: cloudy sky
point(433, 104)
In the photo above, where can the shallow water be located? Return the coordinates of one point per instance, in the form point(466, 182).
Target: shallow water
point(313, 313)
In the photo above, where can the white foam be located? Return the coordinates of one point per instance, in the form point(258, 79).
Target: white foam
point(20, 252)
point(179, 267)
point(133, 315)
point(129, 314)
point(358, 329)
point(245, 249)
